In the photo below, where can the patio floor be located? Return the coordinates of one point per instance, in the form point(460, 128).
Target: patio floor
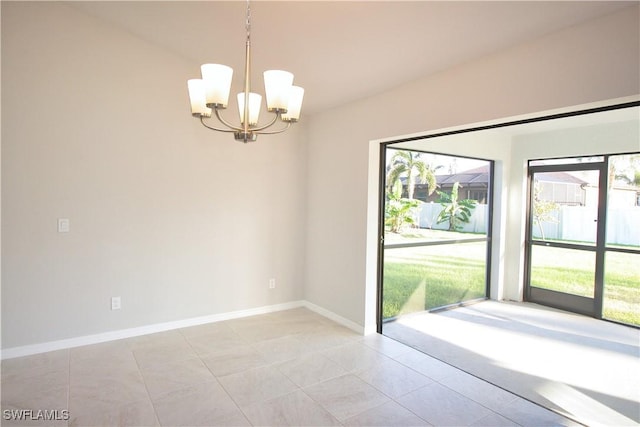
point(580, 367)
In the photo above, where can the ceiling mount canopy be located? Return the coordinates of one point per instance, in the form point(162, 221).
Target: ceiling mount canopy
point(210, 94)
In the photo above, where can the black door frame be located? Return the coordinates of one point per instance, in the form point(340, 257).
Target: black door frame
point(588, 306)
point(569, 302)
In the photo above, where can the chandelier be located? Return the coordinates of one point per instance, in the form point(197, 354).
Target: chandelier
point(210, 94)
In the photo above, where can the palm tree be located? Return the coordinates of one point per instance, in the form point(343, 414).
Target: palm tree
point(409, 164)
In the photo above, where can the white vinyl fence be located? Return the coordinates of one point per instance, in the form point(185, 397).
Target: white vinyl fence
point(575, 223)
point(428, 216)
point(578, 223)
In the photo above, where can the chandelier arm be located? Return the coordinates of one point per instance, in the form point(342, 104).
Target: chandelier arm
point(271, 132)
point(259, 128)
point(226, 123)
point(213, 127)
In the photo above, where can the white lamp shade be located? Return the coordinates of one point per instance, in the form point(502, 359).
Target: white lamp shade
point(295, 104)
point(255, 102)
point(277, 86)
point(197, 98)
point(217, 81)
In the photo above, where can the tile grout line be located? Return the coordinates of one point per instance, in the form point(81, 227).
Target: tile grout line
point(153, 405)
point(438, 381)
point(271, 364)
point(298, 387)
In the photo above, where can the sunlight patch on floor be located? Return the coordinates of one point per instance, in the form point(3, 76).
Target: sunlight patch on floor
point(588, 368)
point(575, 402)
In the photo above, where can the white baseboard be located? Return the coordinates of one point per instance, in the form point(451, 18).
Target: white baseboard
point(28, 350)
point(335, 317)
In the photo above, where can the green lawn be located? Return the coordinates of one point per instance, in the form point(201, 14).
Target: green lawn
point(422, 278)
point(428, 282)
point(571, 271)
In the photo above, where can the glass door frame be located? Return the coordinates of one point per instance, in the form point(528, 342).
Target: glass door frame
point(593, 307)
point(574, 303)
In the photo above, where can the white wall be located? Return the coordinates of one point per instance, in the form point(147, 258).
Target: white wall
point(178, 221)
point(595, 61)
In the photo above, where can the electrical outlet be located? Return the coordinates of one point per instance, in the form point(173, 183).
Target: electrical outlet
point(115, 303)
point(272, 283)
point(63, 225)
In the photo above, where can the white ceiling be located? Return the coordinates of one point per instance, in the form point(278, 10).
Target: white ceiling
point(341, 51)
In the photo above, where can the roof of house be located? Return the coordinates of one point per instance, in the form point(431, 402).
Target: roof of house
point(559, 177)
point(480, 175)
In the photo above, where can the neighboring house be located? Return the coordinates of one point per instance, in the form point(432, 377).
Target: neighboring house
point(563, 188)
point(620, 196)
point(569, 190)
point(624, 195)
point(474, 184)
point(559, 187)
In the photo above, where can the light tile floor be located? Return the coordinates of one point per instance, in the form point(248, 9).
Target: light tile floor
point(291, 368)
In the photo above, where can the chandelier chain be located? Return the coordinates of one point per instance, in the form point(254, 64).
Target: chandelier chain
point(248, 21)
